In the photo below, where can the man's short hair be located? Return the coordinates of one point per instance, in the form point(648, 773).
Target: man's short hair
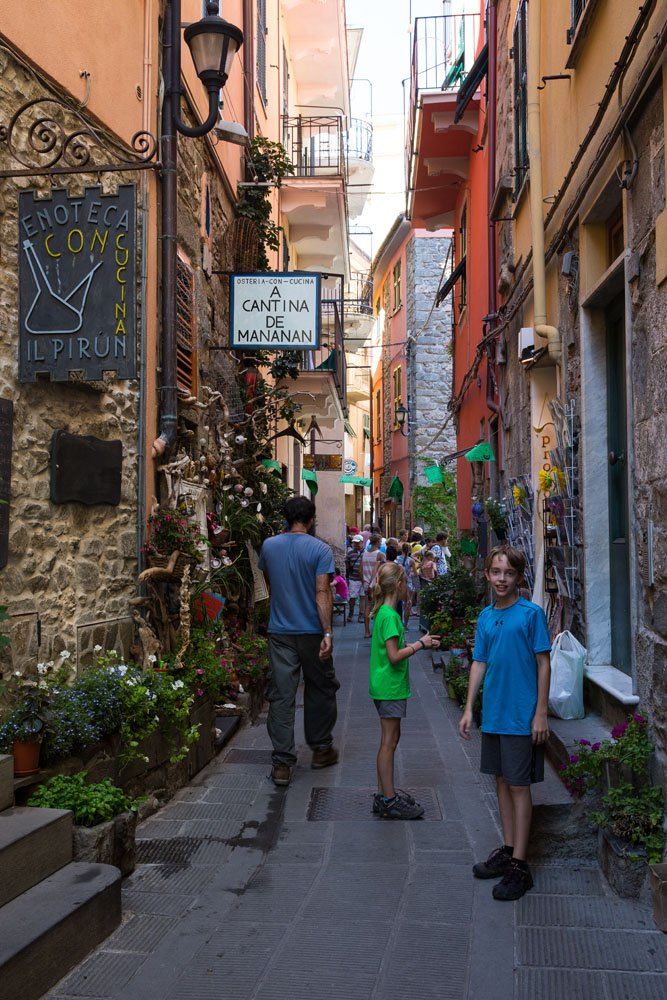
point(299, 510)
point(442, 536)
point(515, 558)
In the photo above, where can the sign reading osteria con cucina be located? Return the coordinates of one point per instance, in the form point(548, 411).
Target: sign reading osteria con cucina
point(77, 262)
point(275, 311)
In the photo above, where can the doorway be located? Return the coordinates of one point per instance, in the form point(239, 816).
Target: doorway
point(617, 485)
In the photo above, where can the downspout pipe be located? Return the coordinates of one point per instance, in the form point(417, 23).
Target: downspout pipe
point(492, 119)
point(533, 123)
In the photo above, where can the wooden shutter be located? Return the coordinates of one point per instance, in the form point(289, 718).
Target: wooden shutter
point(186, 355)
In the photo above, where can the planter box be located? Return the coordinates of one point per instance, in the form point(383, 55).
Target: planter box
point(618, 774)
point(111, 843)
point(624, 866)
point(659, 895)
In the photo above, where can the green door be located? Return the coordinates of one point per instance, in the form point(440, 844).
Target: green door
point(619, 526)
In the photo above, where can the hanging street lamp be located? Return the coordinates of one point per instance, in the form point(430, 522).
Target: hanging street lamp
point(400, 417)
point(213, 44)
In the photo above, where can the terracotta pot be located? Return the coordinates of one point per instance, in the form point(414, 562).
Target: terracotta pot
point(26, 758)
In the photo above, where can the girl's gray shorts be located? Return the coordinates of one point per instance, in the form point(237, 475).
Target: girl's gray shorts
point(391, 709)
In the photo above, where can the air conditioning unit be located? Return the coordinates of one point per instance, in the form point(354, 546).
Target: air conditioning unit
point(526, 343)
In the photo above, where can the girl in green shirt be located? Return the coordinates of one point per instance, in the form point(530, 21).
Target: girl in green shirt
point(390, 687)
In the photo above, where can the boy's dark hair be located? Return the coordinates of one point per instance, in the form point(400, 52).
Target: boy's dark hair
point(391, 553)
point(299, 510)
point(405, 548)
point(375, 539)
point(442, 537)
point(515, 558)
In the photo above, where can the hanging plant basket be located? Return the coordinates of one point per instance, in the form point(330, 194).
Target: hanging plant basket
point(183, 560)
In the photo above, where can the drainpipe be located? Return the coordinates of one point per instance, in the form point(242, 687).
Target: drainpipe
point(533, 118)
point(248, 69)
point(491, 117)
point(167, 388)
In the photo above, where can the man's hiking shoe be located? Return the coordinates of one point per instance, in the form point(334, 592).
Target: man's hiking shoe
point(496, 865)
point(377, 800)
point(514, 884)
point(398, 808)
point(324, 758)
point(281, 774)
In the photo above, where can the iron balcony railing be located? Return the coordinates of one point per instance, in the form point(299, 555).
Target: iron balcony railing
point(315, 146)
point(330, 356)
point(443, 50)
point(359, 140)
point(359, 294)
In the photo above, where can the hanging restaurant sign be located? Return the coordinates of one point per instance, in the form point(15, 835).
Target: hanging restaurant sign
point(323, 463)
point(275, 311)
point(77, 262)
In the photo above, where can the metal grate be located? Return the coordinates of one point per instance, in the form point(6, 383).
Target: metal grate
point(249, 755)
point(355, 804)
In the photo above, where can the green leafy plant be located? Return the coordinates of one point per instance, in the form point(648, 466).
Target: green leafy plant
point(497, 515)
point(269, 164)
point(435, 506)
point(454, 593)
point(635, 816)
point(209, 671)
point(171, 531)
point(4, 617)
point(91, 804)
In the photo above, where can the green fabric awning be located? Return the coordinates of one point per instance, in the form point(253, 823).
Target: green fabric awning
point(329, 364)
point(482, 452)
point(434, 474)
point(310, 479)
point(396, 490)
point(273, 465)
point(356, 480)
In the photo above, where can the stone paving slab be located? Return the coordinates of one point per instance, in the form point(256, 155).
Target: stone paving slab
point(239, 896)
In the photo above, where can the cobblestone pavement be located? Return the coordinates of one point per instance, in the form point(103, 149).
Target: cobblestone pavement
point(249, 892)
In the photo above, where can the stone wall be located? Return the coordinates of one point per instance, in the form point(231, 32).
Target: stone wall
point(71, 568)
point(646, 201)
point(429, 358)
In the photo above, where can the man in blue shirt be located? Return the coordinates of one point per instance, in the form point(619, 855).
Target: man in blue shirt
point(300, 568)
point(511, 655)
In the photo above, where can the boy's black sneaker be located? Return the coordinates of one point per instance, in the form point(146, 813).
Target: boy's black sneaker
point(514, 884)
point(398, 808)
point(496, 865)
point(377, 800)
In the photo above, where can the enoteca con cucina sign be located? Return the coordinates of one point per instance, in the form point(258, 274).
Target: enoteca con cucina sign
point(77, 264)
point(275, 311)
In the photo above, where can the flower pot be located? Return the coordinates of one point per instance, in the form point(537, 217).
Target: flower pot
point(659, 895)
point(26, 757)
point(623, 865)
point(619, 774)
point(182, 561)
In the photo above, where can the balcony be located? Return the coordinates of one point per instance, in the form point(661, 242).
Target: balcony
point(321, 387)
point(358, 387)
point(437, 146)
point(359, 147)
point(359, 320)
point(313, 201)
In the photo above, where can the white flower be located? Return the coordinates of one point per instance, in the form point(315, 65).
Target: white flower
point(122, 669)
point(65, 655)
point(152, 658)
point(131, 682)
point(42, 668)
point(264, 488)
point(147, 760)
point(17, 673)
point(177, 685)
point(112, 652)
point(156, 718)
point(97, 648)
point(42, 684)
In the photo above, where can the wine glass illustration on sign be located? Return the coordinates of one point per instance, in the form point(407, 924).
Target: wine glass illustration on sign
point(50, 313)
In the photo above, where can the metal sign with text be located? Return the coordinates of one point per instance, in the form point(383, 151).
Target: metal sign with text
point(77, 260)
point(275, 311)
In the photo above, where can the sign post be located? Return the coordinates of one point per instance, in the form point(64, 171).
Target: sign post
point(275, 311)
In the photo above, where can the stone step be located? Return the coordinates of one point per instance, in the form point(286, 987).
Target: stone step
point(53, 926)
point(6, 781)
point(563, 734)
point(34, 843)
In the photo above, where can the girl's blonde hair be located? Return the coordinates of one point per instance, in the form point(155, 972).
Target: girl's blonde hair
point(388, 580)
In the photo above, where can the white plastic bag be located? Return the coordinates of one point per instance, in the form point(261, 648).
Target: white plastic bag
point(566, 691)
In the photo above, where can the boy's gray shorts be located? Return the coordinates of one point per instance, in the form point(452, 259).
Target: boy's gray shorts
point(391, 709)
point(515, 758)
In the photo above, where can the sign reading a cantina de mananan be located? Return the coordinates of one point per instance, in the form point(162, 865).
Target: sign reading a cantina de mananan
point(77, 284)
point(275, 311)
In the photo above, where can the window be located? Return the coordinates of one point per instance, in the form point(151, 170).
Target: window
point(463, 233)
point(367, 426)
point(378, 416)
point(520, 97)
point(261, 48)
point(397, 286)
point(577, 8)
point(397, 381)
point(186, 356)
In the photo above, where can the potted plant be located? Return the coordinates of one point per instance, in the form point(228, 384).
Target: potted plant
point(497, 517)
point(26, 745)
point(171, 531)
point(22, 730)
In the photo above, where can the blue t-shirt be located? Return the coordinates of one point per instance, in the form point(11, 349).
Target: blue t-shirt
point(507, 640)
point(292, 561)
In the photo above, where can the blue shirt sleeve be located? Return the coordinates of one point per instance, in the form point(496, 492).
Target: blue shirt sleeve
point(540, 632)
point(481, 650)
point(261, 562)
point(325, 561)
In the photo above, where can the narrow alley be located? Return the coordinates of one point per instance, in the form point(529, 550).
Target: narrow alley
point(249, 892)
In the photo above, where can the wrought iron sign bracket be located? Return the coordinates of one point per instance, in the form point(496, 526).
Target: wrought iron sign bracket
point(49, 137)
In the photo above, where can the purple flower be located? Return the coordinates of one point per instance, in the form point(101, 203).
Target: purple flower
point(639, 718)
point(584, 743)
point(200, 672)
point(200, 692)
point(574, 759)
point(596, 746)
point(619, 730)
point(561, 767)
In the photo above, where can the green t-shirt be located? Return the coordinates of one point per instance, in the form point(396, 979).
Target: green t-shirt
point(388, 682)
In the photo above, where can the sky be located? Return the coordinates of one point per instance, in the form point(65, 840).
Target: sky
point(384, 59)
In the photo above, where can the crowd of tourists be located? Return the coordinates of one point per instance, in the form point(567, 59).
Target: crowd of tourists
point(387, 576)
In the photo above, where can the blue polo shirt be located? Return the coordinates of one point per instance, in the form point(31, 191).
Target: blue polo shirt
point(506, 641)
point(292, 562)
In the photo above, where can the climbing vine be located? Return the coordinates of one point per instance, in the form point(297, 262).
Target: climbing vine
point(269, 164)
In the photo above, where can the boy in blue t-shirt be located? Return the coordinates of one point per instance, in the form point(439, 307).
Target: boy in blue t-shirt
point(511, 655)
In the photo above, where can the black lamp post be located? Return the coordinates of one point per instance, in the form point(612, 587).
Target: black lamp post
point(213, 43)
point(401, 416)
